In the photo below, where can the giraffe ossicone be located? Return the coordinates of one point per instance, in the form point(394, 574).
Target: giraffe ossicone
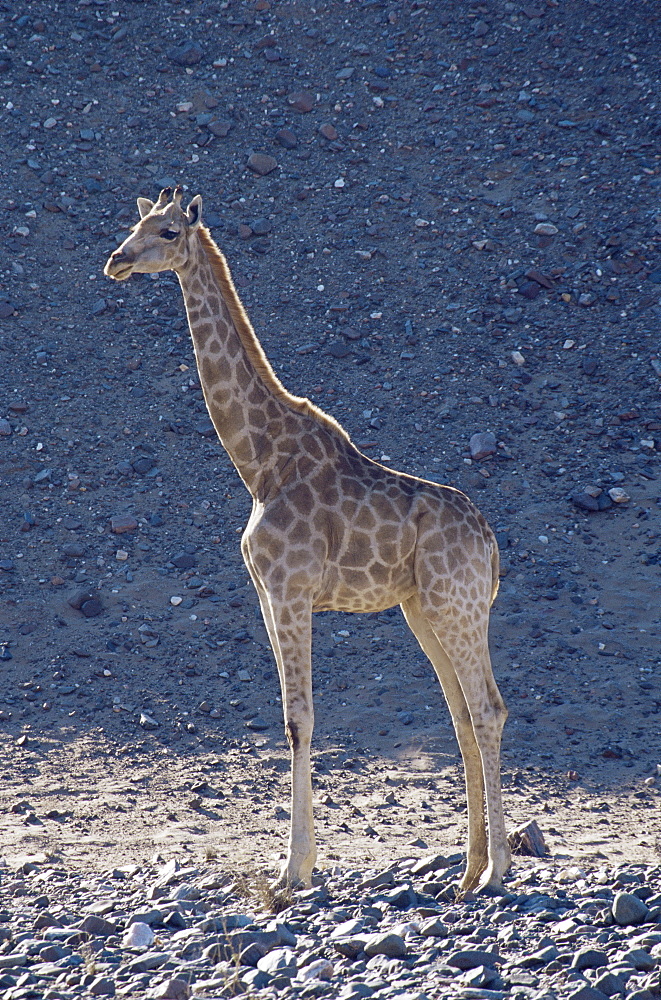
point(332, 529)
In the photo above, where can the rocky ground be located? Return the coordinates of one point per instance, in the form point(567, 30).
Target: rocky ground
point(443, 220)
point(167, 931)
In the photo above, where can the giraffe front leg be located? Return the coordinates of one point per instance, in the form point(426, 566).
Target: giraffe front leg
point(289, 625)
point(302, 850)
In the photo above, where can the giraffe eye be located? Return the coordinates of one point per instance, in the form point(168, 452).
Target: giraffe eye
point(168, 234)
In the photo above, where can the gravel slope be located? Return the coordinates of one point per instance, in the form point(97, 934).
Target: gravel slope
point(457, 234)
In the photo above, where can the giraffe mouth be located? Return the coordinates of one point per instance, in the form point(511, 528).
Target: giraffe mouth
point(119, 272)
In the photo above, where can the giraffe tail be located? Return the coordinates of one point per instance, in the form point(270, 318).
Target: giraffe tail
point(495, 569)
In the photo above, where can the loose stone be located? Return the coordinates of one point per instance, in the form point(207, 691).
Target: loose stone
point(262, 163)
point(482, 444)
point(391, 945)
point(628, 909)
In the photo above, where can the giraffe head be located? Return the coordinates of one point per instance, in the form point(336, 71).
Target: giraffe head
point(160, 241)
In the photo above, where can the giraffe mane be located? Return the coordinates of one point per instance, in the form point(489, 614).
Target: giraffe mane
point(251, 344)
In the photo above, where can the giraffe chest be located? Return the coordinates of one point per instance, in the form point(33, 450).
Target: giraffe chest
point(345, 563)
point(370, 571)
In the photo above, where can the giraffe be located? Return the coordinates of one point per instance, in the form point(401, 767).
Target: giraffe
point(330, 529)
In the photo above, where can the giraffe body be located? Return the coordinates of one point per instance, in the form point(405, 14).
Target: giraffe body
point(332, 529)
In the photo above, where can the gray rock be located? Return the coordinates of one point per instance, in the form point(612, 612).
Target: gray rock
point(482, 975)
point(640, 959)
point(285, 936)
point(281, 961)
point(609, 984)
point(262, 163)
point(349, 928)
point(219, 127)
point(470, 959)
point(538, 958)
point(98, 926)
point(587, 993)
point(402, 897)
point(204, 427)
point(257, 725)
point(321, 969)
point(184, 560)
point(589, 958)
point(628, 909)
point(482, 444)
point(256, 978)
point(391, 945)
point(142, 465)
point(102, 986)
point(261, 227)
point(149, 960)
point(14, 961)
point(172, 989)
point(587, 502)
point(225, 922)
point(351, 946)
point(434, 927)
point(430, 864)
point(188, 53)
point(286, 138)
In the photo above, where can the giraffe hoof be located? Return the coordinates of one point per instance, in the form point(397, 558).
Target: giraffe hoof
point(287, 882)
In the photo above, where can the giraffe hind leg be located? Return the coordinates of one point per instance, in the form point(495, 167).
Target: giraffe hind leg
point(468, 651)
point(460, 656)
point(477, 857)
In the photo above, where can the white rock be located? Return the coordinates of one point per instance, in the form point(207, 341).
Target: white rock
point(545, 229)
point(176, 601)
point(319, 969)
point(138, 935)
point(618, 495)
point(568, 875)
point(518, 358)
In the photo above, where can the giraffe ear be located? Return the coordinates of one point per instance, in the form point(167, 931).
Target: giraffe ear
point(144, 206)
point(194, 212)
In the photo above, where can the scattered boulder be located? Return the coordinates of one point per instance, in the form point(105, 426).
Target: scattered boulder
point(629, 909)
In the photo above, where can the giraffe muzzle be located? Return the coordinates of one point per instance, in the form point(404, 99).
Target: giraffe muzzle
point(118, 265)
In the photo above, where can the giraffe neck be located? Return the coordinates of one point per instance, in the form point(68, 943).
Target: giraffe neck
point(247, 404)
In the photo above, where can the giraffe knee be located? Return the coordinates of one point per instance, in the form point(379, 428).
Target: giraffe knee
point(491, 720)
point(299, 733)
point(499, 712)
point(293, 735)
